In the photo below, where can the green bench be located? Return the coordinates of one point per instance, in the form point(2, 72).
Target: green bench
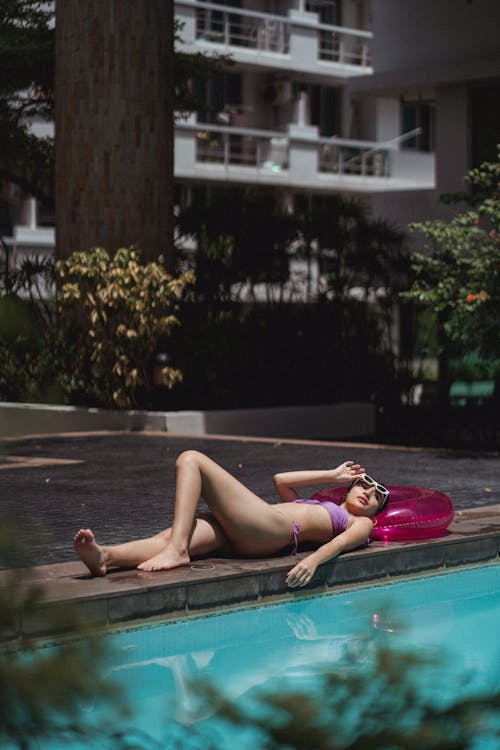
point(471, 393)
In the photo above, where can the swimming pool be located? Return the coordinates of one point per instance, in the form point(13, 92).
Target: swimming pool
point(454, 616)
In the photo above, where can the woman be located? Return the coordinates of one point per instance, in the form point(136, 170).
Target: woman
point(241, 523)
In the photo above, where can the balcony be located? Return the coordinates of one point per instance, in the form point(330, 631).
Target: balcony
point(297, 158)
point(296, 42)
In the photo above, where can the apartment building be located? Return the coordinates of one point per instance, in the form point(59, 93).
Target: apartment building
point(388, 100)
point(436, 66)
point(284, 116)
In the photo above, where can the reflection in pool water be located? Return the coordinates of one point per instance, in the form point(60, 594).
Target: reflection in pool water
point(286, 646)
point(450, 619)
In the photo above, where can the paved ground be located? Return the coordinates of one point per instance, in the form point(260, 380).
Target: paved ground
point(121, 484)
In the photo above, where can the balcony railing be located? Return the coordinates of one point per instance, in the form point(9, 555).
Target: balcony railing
point(300, 159)
point(347, 159)
point(216, 144)
point(224, 146)
point(342, 47)
point(236, 27)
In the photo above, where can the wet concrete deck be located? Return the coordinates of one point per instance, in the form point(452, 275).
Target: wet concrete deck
point(116, 476)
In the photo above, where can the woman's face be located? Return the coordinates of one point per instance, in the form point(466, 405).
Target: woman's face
point(361, 500)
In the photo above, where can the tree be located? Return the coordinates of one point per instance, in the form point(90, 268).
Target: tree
point(109, 186)
point(243, 237)
point(43, 690)
point(114, 125)
point(26, 92)
point(458, 278)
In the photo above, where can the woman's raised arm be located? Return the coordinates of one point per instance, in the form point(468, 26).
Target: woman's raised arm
point(286, 482)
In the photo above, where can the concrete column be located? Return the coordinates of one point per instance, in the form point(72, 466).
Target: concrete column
point(452, 138)
point(303, 41)
point(303, 154)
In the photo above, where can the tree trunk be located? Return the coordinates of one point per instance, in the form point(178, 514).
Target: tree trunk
point(114, 126)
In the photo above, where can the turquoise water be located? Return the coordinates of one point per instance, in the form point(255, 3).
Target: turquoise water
point(451, 619)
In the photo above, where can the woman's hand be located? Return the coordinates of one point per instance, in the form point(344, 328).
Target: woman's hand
point(347, 472)
point(303, 627)
point(301, 574)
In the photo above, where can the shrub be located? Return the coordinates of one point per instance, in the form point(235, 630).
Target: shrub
point(95, 341)
point(112, 311)
point(459, 276)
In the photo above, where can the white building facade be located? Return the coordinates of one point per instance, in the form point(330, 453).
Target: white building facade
point(284, 115)
point(388, 100)
point(436, 65)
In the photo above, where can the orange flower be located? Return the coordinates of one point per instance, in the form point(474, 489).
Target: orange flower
point(470, 297)
point(483, 295)
point(477, 223)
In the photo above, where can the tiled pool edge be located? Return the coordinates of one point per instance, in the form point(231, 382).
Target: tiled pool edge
point(126, 597)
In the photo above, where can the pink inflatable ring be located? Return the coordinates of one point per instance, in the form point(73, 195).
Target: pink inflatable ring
point(411, 513)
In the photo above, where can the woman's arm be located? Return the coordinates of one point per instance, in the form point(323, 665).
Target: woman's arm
point(287, 481)
point(354, 536)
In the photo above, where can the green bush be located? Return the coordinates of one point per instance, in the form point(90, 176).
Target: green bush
point(112, 311)
point(45, 689)
point(458, 278)
point(95, 343)
point(393, 700)
point(275, 356)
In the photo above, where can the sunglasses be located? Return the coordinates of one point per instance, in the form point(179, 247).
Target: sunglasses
point(381, 492)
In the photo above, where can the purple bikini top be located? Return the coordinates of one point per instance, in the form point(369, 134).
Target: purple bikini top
point(339, 516)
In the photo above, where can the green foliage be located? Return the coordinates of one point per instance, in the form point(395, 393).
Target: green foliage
point(45, 690)
point(298, 341)
point(26, 91)
point(27, 67)
point(243, 236)
point(459, 276)
point(27, 349)
point(271, 355)
point(377, 704)
point(112, 311)
point(96, 341)
point(352, 249)
point(200, 66)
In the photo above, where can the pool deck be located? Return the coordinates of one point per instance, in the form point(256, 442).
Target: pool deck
point(130, 596)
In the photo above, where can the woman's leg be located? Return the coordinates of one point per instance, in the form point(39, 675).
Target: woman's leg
point(206, 537)
point(251, 525)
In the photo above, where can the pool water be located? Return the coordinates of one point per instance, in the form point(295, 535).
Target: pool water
point(285, 645)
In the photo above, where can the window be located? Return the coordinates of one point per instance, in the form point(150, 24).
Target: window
point(484, 105)
point(418, 114)
point(216, 95)
point(327, 10)
point(324, 102)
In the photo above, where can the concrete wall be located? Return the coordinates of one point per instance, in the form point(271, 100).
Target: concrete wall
point(423, 33)
point(330, 421)
point(452, 138)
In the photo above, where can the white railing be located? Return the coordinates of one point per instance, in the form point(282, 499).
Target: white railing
point(344, 157)
point(347, 158)
point(239, 147)
point(227, 146)
point(345, 47)
point(237, 28)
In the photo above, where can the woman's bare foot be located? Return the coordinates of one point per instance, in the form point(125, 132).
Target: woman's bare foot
point(166, 560)
point(89, 552)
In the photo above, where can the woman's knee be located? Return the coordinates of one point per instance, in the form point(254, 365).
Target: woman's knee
point(189, 458)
